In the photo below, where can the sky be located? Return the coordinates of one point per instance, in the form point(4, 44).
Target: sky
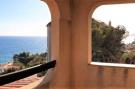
point(23, 18)
point(118, 14)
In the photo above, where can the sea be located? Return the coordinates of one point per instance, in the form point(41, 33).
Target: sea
point(10, 45)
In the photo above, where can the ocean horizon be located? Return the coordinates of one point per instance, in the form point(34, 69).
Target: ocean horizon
point(10, 45)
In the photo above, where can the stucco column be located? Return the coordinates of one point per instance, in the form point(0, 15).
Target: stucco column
point(61, 41)
point(69, 44)
point(81, 44)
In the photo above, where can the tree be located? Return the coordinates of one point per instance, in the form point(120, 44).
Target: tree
point(25, 59)
point(107, 42)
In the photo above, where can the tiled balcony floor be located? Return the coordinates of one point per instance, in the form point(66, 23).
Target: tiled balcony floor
point(21, 83)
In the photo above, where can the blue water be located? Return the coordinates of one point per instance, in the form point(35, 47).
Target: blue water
point(13, 45)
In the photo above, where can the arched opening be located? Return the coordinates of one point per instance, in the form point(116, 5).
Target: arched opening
point(24, 24)
point(118, 19)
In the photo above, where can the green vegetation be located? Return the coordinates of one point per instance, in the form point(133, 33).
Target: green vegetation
point(106, 42)
point(25, 60)
point(108, 46)
point(129, 57)
point(9, 70)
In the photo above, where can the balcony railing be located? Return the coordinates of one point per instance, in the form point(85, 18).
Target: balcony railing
point(14, 76)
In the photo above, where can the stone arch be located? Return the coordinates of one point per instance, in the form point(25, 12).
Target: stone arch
point(105, 2)
point(60, 25)
point(55, 15)
point(53, 8)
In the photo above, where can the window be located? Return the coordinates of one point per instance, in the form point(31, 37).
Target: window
point(113, 35)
